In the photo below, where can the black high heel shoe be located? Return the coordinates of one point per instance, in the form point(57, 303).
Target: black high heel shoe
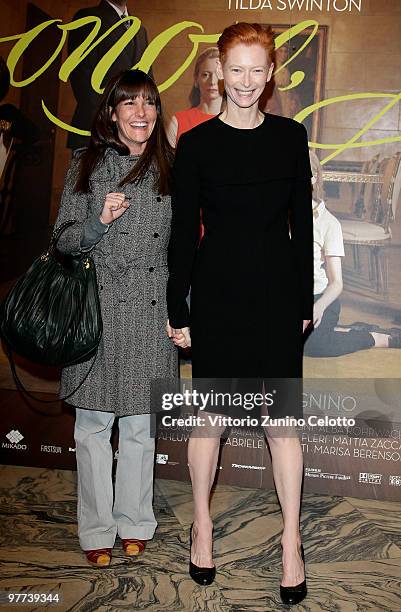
point(294, 594)
point(201, 575)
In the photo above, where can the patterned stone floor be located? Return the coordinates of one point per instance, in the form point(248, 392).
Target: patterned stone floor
point(352, 549)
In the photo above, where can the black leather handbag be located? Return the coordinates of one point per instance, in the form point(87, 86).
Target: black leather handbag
point(52, 315)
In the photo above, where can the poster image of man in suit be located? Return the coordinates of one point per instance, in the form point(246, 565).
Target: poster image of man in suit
point(109, 12)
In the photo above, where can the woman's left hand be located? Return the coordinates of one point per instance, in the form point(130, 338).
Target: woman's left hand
point(169, 329)
point(180, 337)
point(306, 323)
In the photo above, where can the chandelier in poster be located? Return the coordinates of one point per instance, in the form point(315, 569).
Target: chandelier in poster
point(156, 48)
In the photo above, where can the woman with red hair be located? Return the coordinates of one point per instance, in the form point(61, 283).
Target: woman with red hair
point(248, 173)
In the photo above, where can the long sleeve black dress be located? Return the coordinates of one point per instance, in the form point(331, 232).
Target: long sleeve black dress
point(251, 279)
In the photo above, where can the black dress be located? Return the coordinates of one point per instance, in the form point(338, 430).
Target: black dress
point(251, 282)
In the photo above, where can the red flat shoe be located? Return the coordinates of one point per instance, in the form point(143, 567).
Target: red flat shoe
point(133, 547)
point(99, 557)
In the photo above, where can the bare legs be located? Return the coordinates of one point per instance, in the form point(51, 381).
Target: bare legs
point(203, 454)
point(287, 463)
point(287, 472)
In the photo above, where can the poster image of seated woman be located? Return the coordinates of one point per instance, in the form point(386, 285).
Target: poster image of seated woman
point(327, 338)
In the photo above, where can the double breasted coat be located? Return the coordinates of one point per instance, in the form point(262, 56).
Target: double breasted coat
point(131, 268)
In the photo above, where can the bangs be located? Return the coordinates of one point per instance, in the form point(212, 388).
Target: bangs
point(135, 84)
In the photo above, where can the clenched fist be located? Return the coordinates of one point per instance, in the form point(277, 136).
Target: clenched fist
point(115, 205)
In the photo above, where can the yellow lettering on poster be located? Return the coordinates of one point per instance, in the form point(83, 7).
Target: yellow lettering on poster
point(353, 142)
point(298, 76)
point(24, 40)
point(61, 124)
point(157, 45)
point(109, 58)
point(152, 52)
point(81, 52)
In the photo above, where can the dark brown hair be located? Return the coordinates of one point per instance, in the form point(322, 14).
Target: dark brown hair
point(246, 34)
point(104, 134)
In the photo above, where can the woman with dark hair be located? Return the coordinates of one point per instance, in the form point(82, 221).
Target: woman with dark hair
point(117, 190)
point(205, 97)
point(248, 173)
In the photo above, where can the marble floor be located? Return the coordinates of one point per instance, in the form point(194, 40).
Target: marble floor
point(352, 549)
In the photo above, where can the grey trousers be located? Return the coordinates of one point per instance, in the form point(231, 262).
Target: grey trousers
point(130, 514)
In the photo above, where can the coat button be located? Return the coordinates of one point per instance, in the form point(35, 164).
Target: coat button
point(151, 269)
point(158, 199)
point(153, 302)
point(155, 235)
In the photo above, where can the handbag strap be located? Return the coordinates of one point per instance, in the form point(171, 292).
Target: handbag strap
point(57, 233)
point(20, 386)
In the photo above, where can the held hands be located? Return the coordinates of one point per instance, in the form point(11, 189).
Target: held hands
point(180, 337)
point(115, 205)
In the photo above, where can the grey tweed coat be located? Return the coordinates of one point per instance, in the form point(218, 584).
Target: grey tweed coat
point(131, 267)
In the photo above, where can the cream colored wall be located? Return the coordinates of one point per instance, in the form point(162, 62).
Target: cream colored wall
point(363, 55)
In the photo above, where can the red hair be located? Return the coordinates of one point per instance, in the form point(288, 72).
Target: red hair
point(246, 34)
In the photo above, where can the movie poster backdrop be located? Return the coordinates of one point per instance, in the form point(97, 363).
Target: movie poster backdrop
point(337, 72)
